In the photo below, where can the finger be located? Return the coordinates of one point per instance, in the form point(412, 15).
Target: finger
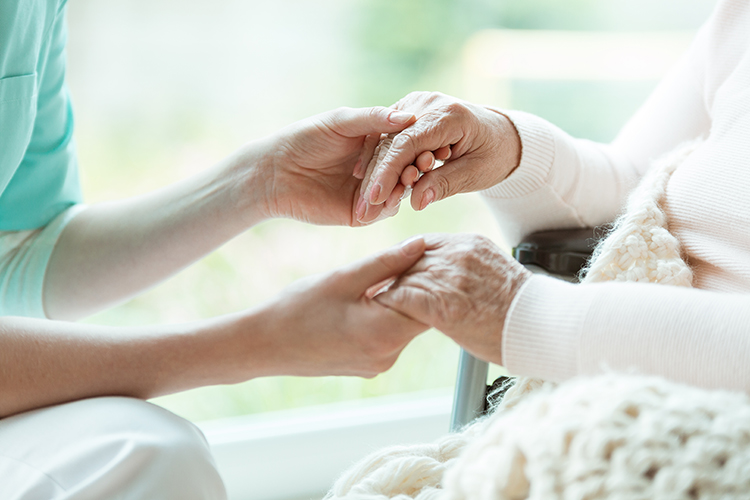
point(364, 212)
point(356, 122)
point(425, 161)
point(362, 275)
point(381, 150)
point(395, 198)
point(443, 153)
point(412, 302)
point(368, 149)
point(427, 134)
point(452, 178)
point(409, 176)
point(374, 213)
point(379, 288)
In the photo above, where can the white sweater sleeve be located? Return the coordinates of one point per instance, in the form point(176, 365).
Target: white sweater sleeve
point(564, 182)
point(556, 330)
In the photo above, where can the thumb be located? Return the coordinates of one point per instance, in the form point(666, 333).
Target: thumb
point(390, 263)
point(357, 122)
point(411, 302)
point(452, 178)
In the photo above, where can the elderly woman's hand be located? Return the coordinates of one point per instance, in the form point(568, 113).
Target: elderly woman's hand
point(480, 147)
point(463, 286)
point(313, 169)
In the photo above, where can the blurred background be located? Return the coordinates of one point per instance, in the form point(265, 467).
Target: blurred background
point(165, 88)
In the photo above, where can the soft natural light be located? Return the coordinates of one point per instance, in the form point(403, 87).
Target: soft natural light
point(165, 88)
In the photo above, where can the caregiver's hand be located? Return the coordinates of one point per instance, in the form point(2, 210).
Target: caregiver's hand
point(114, 250)
point(480, 147)
point(463, 286)
point(317, 165)
point(328, 325)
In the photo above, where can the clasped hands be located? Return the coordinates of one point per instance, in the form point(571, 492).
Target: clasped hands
point(323, 171)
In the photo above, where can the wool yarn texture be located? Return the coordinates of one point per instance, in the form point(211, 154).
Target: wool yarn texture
point(613, 436)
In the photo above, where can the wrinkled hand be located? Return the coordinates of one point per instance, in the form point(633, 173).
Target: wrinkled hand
point(463, 286)
point(329, 325)
point(480, 147)
point(318, 163)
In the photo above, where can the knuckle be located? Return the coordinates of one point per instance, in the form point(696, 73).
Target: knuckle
point(442, 186)
point(416, 94)
point(334, 278)
point(335, 117)
point(456, 108)
point(389, 260)
point(435, 96)
point(477, 244)
point(341, 111)
point(479, 239)
point(404, 138)
point(377, 112)
point(377, 366)
point(385, 364)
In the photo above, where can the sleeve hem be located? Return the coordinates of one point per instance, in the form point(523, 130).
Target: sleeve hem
point(537, 156)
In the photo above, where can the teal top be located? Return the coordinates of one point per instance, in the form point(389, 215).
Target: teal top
point(38, 168)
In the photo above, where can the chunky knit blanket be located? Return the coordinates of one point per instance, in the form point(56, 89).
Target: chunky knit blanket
point(613, 436)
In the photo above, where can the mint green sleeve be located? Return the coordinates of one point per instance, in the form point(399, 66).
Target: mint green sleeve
point(24, 256)
point(39, 187)
point(38, 166)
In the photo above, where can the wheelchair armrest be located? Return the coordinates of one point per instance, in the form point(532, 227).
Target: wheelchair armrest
point(562, 252)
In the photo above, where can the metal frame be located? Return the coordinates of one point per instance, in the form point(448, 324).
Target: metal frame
point(470, 394)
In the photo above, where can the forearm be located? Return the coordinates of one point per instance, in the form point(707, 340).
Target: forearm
point(567, 182)
point(323, 325)
point(560, 182)
point(557, 330)
point(46, 362)
point(111, 251)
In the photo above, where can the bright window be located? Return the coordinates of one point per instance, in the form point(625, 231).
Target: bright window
point(164, 88)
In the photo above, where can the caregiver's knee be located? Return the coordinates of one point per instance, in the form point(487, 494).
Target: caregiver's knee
point(163, 455)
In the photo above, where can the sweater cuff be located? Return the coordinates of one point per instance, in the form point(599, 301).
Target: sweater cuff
point(537, 156)
point(543, 328)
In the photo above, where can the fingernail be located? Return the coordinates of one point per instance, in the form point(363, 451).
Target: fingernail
point(427, 198)
point(357, 167)
point(375, 192)
point(412, 246)
point(361, 209)
point(400, 117)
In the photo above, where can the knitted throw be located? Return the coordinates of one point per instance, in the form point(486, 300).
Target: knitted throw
point(613, 436)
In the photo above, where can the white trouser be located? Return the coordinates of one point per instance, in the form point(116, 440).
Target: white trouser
point(109, 448)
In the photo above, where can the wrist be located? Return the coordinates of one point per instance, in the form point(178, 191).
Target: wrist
point(233, 348)
point(251, 170)
point(507, 144)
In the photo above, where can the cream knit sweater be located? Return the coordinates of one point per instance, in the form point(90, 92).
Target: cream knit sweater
point(700, 336)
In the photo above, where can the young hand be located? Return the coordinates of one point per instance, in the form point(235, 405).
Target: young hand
point(316, 165)
point(329, 325)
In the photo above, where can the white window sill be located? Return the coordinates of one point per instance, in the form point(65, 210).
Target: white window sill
point(299, 453)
